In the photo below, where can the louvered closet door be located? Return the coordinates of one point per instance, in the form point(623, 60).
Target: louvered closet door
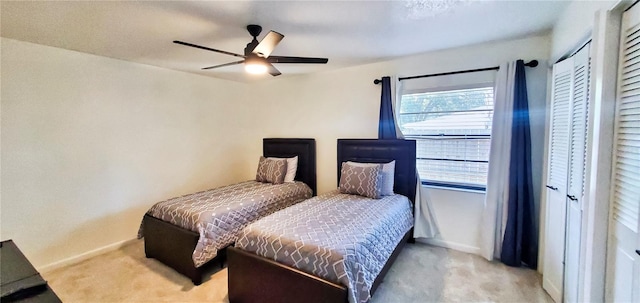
point(575, 178)
point(562, 93)
point(623, 267)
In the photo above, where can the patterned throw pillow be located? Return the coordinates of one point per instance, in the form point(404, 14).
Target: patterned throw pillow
point(361, 180)
point(292, 167)
point(271, 170)
point(388, 175)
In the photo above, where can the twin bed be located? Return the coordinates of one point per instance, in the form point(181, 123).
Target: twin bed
point(185, 233)
point(332, 248)
point(336, 247)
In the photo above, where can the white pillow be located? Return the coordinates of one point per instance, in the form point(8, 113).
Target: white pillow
point(388, 175)
point(292, 168)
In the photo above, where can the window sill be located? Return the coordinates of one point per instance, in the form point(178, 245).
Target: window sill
point(474, 191)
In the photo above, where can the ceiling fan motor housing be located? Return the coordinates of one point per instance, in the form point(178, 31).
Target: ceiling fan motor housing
point(254, 31)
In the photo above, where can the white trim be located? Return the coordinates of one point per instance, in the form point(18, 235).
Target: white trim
point(451, 245)
point(84, 256)
point(468, 190)
point(602, 191)
point(542, 225)
point(553, 292)
point(605, 51)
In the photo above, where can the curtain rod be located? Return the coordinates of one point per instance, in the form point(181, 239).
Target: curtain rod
point(532, 63)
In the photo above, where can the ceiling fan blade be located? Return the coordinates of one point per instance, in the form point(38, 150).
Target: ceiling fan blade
point(209, 49)
point(268, 43)
point(273, 70)
point(226, 64)
point(285, 59)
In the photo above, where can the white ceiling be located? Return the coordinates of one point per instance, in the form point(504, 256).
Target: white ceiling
point(347, 32)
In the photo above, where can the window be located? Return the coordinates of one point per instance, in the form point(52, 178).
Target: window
point(452, 129)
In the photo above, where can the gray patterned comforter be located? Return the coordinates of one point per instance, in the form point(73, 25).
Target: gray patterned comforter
point(219, 214)
point(341, 238)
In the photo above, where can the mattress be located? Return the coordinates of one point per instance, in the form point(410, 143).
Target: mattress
point(218, 215)
point(345, 239)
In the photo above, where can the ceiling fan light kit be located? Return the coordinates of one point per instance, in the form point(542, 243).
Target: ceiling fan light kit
point(257, 55)
point(254, 65)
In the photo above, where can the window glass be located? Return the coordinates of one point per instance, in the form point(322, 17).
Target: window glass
point(452, 129)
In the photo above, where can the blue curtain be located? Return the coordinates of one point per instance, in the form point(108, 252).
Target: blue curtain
point(387, 124)
point(520, 245)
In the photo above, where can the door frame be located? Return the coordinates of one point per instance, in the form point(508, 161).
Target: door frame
point(595, 221)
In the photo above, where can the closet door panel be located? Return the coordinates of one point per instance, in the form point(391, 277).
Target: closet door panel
point(576, 173)
point(557, 170)
point(623, 264)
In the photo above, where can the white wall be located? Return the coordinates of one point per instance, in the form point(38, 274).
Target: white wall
point(574, 26)
point(89, 143)
point(345, 104)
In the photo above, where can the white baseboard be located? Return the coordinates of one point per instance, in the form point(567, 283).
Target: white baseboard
point(85, 256)
point(551, 289)
point(451, 245)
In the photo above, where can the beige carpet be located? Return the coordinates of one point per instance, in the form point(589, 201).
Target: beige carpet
point(422, 273)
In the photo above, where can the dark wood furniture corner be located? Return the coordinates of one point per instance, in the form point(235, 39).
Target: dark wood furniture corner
point(19, 280)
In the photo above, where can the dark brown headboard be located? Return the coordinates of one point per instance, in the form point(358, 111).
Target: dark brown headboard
point(305, 149)
point(384, 151)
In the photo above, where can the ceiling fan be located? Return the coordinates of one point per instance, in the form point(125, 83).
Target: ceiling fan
point(257, 57)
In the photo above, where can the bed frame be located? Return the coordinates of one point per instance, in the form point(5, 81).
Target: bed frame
point(174, 246)
point(253, 278)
